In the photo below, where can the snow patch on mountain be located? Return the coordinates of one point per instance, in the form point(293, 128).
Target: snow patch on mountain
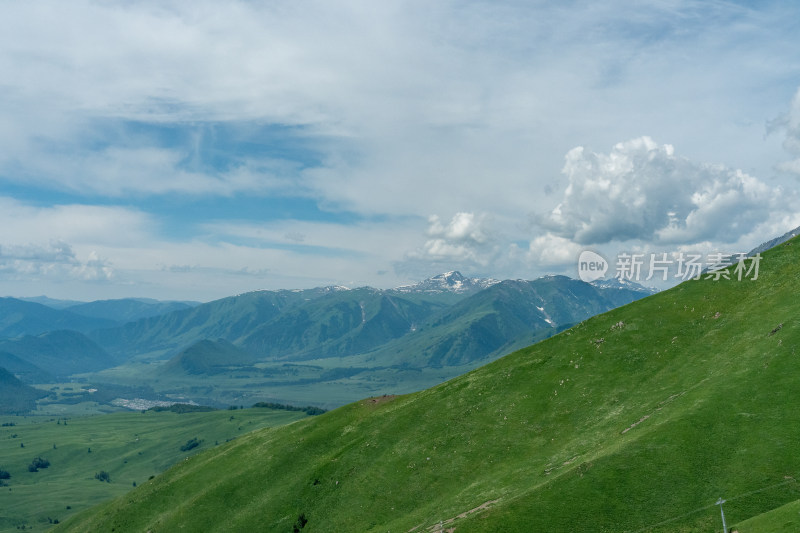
point(621, 283)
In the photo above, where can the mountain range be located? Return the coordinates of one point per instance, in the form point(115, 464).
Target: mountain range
point(446, 322)
point(334, 321)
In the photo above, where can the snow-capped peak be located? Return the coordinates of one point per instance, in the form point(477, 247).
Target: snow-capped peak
point(452, 281)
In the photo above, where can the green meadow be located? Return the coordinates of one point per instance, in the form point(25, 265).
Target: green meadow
point(130, 447)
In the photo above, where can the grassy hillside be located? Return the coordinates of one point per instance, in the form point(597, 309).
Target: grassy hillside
point(635, 420)
point(130, 447)
point(784, 518)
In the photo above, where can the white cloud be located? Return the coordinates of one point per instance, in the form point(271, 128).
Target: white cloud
point(550, 250)
point(392, 111)
point(55, 261)
point(412, 95)
point(79, 225)
point(789, 124)
point(642, 190)
point(468, 242)
point(120, 171)
point(465, 239)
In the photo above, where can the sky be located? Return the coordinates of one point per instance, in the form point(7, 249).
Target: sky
point(195, 150)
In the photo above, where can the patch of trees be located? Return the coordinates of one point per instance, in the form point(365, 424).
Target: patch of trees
point(343, 373)
point(181, 408)
point(309, 409)
point(37, 463)
point(300, 523)
point(190, 444)
point(103, 476)
point(4, 474)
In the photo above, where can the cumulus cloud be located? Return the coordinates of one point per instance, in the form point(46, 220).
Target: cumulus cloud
point(466, 238)
point(644, 191)
point(552, 251)
point(56, 261)
point(468, 242)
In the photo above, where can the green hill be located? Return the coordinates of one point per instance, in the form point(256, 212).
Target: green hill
point(208, 357)
point(60, 352)
point(15, 396)
point(23, 370)
point(635, 420)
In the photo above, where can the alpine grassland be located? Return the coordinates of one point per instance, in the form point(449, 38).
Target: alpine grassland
point(636, 420)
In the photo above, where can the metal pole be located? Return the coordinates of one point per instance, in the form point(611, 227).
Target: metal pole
point(721, 512)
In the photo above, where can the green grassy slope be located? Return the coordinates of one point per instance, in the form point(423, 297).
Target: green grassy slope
point(635, 420)
point(784, 518)
point(131, 447)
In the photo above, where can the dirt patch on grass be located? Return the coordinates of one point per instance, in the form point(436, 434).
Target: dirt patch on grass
point(445, 526)
point(379, 399)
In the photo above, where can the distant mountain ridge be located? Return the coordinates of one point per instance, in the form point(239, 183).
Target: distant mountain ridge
point(127, 309)
point(447, 320)
point(18, 317)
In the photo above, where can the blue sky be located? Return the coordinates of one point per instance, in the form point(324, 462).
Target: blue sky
point(198, 150)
